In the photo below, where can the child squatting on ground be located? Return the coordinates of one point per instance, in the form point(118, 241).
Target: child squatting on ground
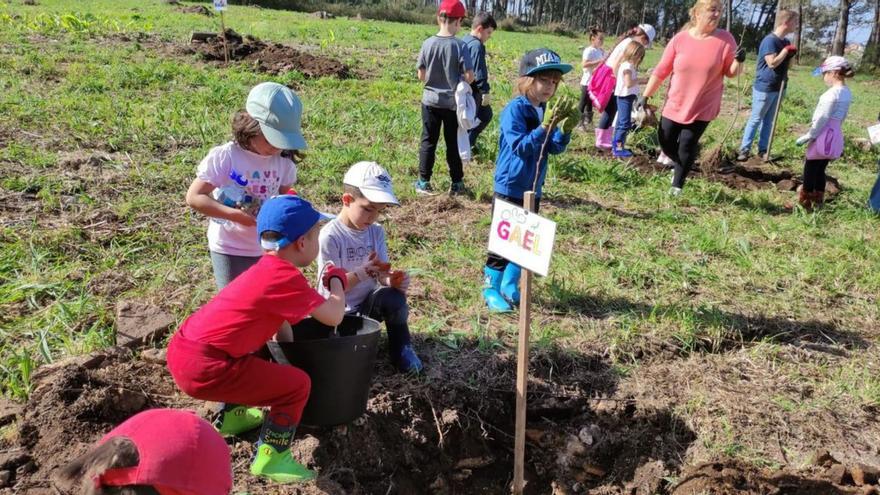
point(443, 61)
point(269, 124)
point(154, 452)
point(211, 355)
point(825, 137)
point(525, 123)
point(626, 90)
point(355, 243)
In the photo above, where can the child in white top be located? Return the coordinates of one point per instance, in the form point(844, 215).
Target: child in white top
point(269, 125)
point(591, 58)
point(626, 90)
point(825, 137)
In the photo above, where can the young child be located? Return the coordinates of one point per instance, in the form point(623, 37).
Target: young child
point(825, 137)
point(525, 122)
point(211, 355)
point(269, 124)
point(153, 452)
point(591, 58)
point(443, 62)
point(355, 243)
point(626, 91)
point(482, 28)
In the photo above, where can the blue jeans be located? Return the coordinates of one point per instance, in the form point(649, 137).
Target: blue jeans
point(763, 108)
point(624, 119)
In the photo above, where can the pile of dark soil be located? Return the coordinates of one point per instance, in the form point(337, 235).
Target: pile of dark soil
point(273, 58)
point(751, 175)
point(195, 9)
point(449, 431)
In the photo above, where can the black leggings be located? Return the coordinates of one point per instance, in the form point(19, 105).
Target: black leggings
point(494, 261)
point(586, 105)
point(681, 143)
point(814, 175)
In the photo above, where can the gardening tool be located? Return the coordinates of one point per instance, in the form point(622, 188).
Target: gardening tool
point(775, 116)
point(716, 156)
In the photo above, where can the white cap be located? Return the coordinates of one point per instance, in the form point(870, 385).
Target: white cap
point(373, 181)
point(650, 31)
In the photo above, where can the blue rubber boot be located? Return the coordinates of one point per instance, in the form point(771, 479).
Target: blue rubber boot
point(491, 293)
point(510, 284)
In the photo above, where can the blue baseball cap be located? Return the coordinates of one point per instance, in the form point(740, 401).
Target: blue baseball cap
point(290, 216)
point(279, 112)
point(541, 60)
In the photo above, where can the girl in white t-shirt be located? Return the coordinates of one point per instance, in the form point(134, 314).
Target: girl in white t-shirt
point(626, 90)
point(269, 124)
point(591, 58)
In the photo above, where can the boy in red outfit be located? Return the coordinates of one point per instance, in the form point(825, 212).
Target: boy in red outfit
point(210, 356)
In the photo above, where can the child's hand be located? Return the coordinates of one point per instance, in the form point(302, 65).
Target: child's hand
point(378, 264)
point(803, 140)
point(559, 108)
point(398, 279)
point(244, 218)
point(331, 272)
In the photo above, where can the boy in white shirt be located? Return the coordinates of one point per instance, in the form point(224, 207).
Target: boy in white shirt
point(354, 242)
point(591, 58)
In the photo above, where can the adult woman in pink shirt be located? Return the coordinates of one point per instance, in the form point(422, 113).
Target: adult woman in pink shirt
point(698, 58)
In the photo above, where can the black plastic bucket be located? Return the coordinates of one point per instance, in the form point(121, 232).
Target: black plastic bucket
point(341, 367)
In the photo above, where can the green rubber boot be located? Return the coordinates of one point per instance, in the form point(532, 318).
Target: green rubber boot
point(273, 459)
point(235, 420)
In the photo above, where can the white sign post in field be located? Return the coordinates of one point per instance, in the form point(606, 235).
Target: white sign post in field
point(221, 6)
point(522, 237)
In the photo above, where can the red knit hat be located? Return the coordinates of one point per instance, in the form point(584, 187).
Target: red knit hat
point(452, 8)
point(179, 452)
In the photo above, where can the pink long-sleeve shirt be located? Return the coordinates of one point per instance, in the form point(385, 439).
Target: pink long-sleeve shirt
point(697, 67)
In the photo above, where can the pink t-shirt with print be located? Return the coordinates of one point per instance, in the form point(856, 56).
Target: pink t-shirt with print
point(697, 67)
point(265, 175)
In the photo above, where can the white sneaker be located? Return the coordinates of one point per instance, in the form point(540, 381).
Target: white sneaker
point(675, 191)
point(662, 159)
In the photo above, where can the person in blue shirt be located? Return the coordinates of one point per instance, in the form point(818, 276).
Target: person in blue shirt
point(482, 28)
point(774, 55)
point(525, 124)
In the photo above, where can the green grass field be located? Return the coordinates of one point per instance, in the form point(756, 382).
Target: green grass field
point(737, 314)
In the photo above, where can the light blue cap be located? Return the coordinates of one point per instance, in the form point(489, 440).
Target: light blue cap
point(279, 112)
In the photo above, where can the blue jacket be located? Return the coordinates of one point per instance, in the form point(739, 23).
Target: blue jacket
point(518, 147)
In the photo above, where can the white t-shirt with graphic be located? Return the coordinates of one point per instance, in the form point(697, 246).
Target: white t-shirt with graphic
point(265, 175)
point(620, 88)
point(590, 54)
point(350, 248)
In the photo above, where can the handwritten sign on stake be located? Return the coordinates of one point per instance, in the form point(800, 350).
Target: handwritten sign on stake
point(522, 237)
point(220, 5)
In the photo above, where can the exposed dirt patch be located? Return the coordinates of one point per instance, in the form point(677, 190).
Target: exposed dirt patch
point(196, 9)
point(747, 176)
point(273, 58)
point(449, 431)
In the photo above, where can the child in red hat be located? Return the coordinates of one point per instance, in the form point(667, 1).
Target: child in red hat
point(444, 60)
point(139, 457)
point(211, 355)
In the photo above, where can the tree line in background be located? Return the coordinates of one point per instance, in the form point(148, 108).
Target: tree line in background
point(824, 24)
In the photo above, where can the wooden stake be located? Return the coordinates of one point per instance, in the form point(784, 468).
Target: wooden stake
point(522, 367)
point(223, 34)
point(775, 117)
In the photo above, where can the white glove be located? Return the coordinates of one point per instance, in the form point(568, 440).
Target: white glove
point(803, 140)
point(487, 99)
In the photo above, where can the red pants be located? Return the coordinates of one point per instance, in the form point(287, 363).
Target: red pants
point(205, 372)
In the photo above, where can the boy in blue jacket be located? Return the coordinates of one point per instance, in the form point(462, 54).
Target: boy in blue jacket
point(525, 122)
